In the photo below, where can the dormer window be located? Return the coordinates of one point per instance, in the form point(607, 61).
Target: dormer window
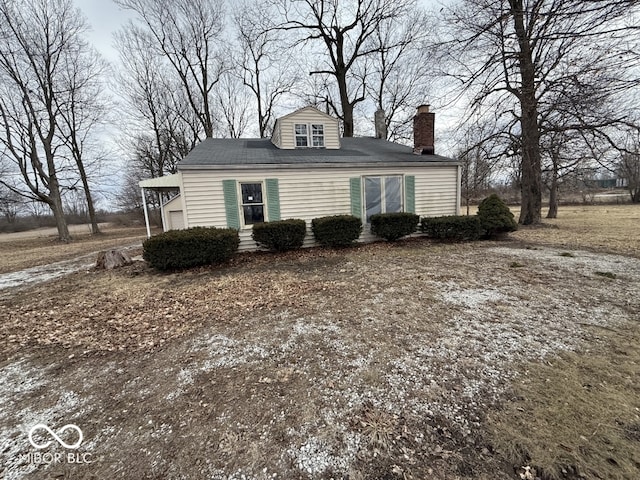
point(302, 137)
point(309, 135)
point(317, 135)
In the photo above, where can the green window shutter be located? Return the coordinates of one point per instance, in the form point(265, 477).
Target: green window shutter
point(273, 199)
point(410, 193)
point(230, 191)
point(356, 196)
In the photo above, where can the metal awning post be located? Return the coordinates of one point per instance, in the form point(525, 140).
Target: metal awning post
point(164, 228)
point(146, 214)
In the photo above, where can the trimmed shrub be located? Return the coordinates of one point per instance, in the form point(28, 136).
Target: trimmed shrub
point(495, 217)
point(190, 248)
point(392, 226)
point(280, 236)
point(453, 227)
point(336, 230)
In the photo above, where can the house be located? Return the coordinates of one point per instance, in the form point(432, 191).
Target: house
point(305, 170)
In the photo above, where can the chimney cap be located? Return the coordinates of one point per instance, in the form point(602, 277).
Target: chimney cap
point(424, 108)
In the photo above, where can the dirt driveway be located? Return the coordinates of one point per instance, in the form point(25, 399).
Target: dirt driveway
point(377, 362)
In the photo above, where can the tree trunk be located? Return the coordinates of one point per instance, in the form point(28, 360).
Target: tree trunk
point(553, 194)
point(531, 203)
point(90, 207)
point(58, 210)
point(347, 106)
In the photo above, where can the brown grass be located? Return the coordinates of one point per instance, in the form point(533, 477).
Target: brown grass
point(605, 228)
point(578, 415)
point(22, 251)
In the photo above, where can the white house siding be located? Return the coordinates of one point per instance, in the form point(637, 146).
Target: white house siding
point(312, 193)
point(174, 214)
point(286, 128)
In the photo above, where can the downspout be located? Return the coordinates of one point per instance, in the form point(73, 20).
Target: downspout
point(146, 214)
point(458, 188)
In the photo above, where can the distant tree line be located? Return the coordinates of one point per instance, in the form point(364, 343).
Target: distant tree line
point(546, 90)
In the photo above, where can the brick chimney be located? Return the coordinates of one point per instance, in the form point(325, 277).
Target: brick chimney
point(381, 126)
point(423, 131)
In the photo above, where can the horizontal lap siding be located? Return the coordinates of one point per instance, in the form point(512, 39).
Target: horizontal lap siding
point(436, 191)
point(287, 136)
point(173, 205)
point(308, 194)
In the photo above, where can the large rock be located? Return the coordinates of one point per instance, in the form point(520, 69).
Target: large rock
point(110, 259)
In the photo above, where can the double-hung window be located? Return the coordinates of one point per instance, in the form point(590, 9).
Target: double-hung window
point(302, 137)
point(309, 135)
point(382, 194)
point(317, 135)
point(252, 203)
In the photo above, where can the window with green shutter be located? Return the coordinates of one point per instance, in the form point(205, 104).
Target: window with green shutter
point(382, 194)
point(252, 202)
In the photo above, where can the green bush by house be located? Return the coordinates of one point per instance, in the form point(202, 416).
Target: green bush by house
point(392, 226)
point(190, 248)
point(280, 236)
point(336, 230)
point(495, 217)
point(453, 227)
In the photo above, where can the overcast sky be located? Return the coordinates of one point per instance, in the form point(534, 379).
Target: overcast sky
point(105, 17)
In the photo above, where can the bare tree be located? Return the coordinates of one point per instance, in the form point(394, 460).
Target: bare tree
point(233, 105)
point(480, 155)
point(40, 40)
point(628, 167)
point(261, 62)
point(81, 110)
point(165, 126)
point(399, 78)
point(345, 32)
point(10, 204)
point(186, 35)
point(514, 55)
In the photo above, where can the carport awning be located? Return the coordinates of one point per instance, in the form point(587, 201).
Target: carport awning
point(168, 182)
point(159, 184)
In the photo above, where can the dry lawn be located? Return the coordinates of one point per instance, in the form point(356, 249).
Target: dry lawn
point(29, 249)
point(493, 360)
point(604, 228)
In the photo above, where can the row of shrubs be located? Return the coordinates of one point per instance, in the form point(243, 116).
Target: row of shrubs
point(494, 218)
point(206, 246)
point(333, 231)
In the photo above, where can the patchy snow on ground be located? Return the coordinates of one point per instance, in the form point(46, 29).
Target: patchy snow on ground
point(50, 271)
point(17, 381)
point(400, 344)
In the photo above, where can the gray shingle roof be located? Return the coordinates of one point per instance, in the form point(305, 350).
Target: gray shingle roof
point(258, 151)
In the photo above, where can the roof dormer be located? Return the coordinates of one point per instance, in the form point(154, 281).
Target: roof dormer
point(307, 127)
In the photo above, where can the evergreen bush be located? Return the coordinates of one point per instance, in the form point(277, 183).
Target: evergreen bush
point(392, 226)
point(453, 227)
point(495, 217)
point(193, 247)
point(336, 230)
point(280, 236)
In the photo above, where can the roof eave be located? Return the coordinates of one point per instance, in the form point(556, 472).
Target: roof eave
point(284, 166)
